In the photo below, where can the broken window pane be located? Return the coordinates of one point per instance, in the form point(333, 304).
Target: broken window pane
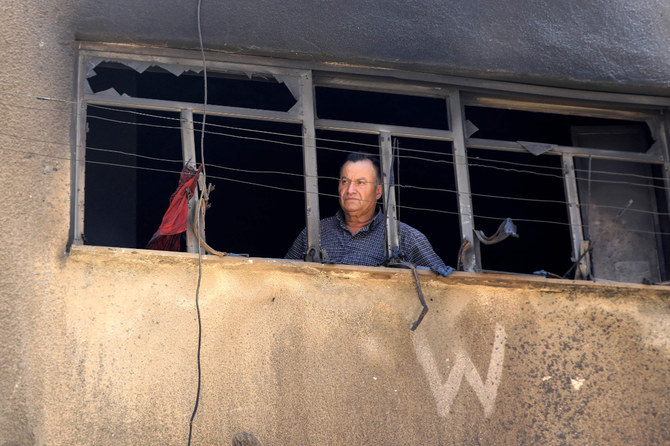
point(530, 190)
point(624, 212)
point(234, 90)
point(133, 161)
point(134, 157)
point(381, 108)
point(256, 169)
point(552, 128)
point(426, 196)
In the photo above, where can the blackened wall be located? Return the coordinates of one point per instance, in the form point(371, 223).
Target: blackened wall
point(615, 45)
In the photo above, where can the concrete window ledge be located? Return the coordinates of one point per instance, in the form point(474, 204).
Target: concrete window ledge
point(85, 253)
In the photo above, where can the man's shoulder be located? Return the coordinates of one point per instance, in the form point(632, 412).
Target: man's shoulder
point(405, 230)
point(330, 225)
point(332, 220)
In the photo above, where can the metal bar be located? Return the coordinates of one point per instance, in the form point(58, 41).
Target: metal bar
point(395, 130)
point(559, 105)
point(190, 60)
point(574, 215)
point(386, 157)
point(189, 156)
point(382, 85)
point(512, 146)
point(310, 167)
point(79, 164)
point(471, 257)
point(664, 142)
point(215, 110)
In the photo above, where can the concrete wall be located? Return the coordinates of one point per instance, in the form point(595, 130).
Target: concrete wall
point(324, 355)
point(99, 347)
point(599, 44)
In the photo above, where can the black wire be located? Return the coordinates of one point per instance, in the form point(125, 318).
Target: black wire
point(197, 309)
point(205, 197)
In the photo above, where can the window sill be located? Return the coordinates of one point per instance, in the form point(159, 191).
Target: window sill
point(84, 253)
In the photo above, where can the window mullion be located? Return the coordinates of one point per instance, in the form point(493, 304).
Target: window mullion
point(79, 165)
point(189, 157)
point(386, 157)
point(575, 217)
point(310, 168)
point(471, 256)
point(664, 142)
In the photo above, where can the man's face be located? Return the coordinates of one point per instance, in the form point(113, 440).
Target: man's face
point(358, 189)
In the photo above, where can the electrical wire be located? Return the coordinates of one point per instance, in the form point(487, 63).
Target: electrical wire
point(441, 211)
point(445, 161)
point(357, 143)
point(40, 98)
point(407, 186)
point(405, 149)
point(209, 124)
point(397, 155)
point(205, 198)
point(118, 108)
point(251, 171)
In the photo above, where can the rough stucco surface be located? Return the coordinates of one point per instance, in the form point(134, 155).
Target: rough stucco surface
point(99, 347)
point(36, 59)
point(325, 356)
point(604, 44)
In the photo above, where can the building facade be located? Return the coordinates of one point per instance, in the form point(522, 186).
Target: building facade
point(555, 116)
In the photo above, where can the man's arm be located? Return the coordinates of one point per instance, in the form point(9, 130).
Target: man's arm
point(419, 251)
point(299, 247)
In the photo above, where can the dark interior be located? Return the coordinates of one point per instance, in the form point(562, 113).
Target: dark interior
point(257, 206)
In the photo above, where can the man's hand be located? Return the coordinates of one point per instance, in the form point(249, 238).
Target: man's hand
point(444, 272)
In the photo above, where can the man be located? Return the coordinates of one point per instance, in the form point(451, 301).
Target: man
point(356, 235)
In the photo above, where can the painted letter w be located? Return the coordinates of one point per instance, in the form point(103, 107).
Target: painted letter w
point(445, 393)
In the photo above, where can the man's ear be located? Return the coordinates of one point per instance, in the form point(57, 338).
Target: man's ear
point(379, 191)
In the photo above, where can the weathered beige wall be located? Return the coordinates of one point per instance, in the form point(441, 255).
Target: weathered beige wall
point(322, 355)
point(36, 59)
point(98, 347)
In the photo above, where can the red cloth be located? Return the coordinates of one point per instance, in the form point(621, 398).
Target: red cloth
point(175, 220)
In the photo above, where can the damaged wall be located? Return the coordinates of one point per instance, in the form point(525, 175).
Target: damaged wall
point(101, 348)
point(603, 44)
point(324, 355)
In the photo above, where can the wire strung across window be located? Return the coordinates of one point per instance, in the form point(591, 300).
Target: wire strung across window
point(334, 178)
point(324, 194)
point(399, 154)
point(470, 164)
point(654, 186)
point(405, 149)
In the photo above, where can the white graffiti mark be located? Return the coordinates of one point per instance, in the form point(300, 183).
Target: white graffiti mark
point(445, 393)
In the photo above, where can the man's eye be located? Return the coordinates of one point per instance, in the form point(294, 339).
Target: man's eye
point(361, 183)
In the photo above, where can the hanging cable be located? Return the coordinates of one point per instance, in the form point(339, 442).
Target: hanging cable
point(200, 215)
point(197, 309)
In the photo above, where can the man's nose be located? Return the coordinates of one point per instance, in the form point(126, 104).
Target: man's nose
point(350, 187)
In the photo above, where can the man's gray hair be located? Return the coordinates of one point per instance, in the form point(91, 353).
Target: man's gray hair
point(355, 157)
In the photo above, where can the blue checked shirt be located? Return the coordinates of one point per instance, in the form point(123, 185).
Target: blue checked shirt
point(368, 246)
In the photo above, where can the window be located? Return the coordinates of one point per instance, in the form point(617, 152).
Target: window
point(143, 123)
point(584, 180)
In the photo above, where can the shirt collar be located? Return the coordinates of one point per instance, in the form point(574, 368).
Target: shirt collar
point(379, 217)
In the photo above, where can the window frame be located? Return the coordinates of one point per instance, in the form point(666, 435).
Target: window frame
point(457, 92)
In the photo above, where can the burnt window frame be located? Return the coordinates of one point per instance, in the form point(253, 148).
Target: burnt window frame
point(301, 113)
point(456, 92)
